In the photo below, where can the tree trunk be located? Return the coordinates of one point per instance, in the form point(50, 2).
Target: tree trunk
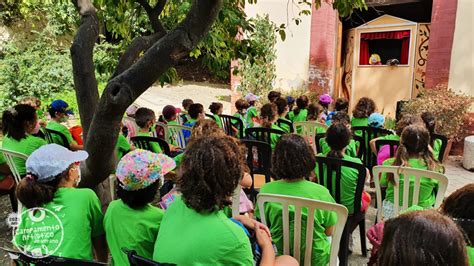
point(124, 88)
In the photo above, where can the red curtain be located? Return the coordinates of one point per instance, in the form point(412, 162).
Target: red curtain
point(364, 52)
point(404, 52)
point(386, 35)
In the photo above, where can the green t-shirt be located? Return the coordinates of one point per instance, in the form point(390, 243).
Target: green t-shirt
point(178, 159)
point(322, 219)
point(359, 122)
point(26, 146)
point(437, 148)
point(134, 229)
point(300, 117)
point(218, 120)
point(3, 160)
point(390, 137)
point(187, 237)
point(349, 177)
point(251, 114)
point(171, 140)
point(285, 127)
point(351, 149)
point(274, 138)
point(53, 125)
point(470, 254)
point(80, 215)
point(154, 145)
point(427, 195)
point(122, 146)
point(244, 122)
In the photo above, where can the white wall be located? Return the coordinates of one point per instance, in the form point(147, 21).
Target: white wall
point(461, 72)
point(292, 61)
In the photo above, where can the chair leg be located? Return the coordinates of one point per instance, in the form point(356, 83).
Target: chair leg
point(363, 243)
point(13, 200)
point(344, 247)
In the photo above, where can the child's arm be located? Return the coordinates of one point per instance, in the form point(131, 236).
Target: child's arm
point(100, 248)
point(75, 147)
point(329, 231)
point(265, 243)
point(372, 145)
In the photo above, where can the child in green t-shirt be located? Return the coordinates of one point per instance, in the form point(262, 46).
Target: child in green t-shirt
point(268, 117)
point(241, 105)
point(131, 222)
point(145, 119)
point(352, 148)
point(430, 122)
point(283, 109)
point(300, 113)
point(360, 115)
point(293, 163)
point(216, 110)
point(338, 138)
point(252, 115)
point(71, 217)
point(59, 112)
point(184, 117)
point(460, 206)
point(413, 152)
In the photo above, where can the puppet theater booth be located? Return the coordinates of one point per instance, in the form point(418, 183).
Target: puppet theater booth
point(381, 61)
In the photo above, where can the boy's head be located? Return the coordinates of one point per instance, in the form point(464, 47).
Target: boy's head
point(338, 136)
point(145, 117)
point(376, 120)
point(268, 114)
point(251, 98)
point(59, 110)
point(341, 118)
point(282, 106)
point(273, 95)
point(216, 108)
point(293, 158)
point(342, 104)
point(241, 105)
point(140, 174)
point(459, 206)
point(302, 102)
point(211, 170)
point(196, 111)
point(169, 113)
point(186, 103)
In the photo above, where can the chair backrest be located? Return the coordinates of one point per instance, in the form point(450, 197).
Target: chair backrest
point(136, 260)
point(17, 257)
point(407, 172)
point(444, 144)
point(262, 133)
point(259, 157)
point(161, 131)
point(367, 134)
point(52, 136)
point(393, 144)
point(177, 134)
point(144, 142)
point(210, 116)
point(280, 122)
point(308, 130)
point(230, 123)
point(10, 157)
point(317, 138)
point(236, 201)
point(329, 168)
point(311, 206)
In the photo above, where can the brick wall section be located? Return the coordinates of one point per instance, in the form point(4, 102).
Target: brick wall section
point(443, 22)
point(322, 48)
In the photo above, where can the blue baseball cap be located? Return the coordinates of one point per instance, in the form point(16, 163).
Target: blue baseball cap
point(290, 99)
point(376, 120)
point(61, 107)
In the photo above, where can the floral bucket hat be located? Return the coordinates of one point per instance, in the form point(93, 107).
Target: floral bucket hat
point(139, 169)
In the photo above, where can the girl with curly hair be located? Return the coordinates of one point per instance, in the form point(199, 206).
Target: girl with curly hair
point(363, 109)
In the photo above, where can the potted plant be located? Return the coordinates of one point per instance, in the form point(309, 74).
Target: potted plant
point(450, 108)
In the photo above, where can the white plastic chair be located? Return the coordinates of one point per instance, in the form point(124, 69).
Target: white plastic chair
point(177, 134)
point(10, 157)
point(312, 206)
point(308, 131)
point(236, 201)
point(417, 174)
point(165, 128)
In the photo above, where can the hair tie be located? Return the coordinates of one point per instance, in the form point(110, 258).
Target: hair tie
point(30, 177)
point(13, 111)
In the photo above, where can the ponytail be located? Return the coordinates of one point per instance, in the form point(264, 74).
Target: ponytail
point(32, 193)
point(14, 120)
point(335, 154)
point(400, 160)
point(301, 104)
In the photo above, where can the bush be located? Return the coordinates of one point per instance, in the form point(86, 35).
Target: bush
point(449, 107)
point(258, 72)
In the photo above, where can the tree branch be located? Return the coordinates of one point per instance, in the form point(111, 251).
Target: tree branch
point(85, 82)
point(139, 45)
point(124, 89)
point(153, 13)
